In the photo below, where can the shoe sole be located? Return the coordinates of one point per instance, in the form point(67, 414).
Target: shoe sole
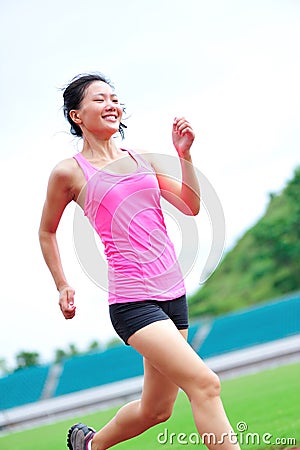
point(80, 427)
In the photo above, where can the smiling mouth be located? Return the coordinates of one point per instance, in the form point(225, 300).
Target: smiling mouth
point(110, 118)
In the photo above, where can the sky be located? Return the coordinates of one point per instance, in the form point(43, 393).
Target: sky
point(232, 68)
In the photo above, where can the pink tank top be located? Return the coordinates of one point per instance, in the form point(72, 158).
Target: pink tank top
point(125, 211)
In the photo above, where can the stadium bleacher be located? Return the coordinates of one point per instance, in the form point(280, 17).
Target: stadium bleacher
point(257, 325)
point(236, 331)
point(95, 369)
point(193, 329)
point(22, 387)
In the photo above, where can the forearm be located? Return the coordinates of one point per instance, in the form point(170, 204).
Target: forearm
point(52, 258)
point(190, 190)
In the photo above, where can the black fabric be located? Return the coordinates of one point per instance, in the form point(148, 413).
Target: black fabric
point(127, 318)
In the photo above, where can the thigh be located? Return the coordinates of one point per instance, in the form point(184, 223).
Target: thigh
point(159, 392)
point(165, 347)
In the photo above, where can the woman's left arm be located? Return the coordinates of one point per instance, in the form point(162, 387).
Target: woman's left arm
point(184, 194)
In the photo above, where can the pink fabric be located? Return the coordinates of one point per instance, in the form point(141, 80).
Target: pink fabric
point(125, 211)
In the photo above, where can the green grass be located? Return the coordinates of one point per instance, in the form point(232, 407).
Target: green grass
point(268, 402)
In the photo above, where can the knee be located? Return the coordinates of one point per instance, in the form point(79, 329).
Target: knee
point(206, 384)
point(213, 385)
point(158, 415)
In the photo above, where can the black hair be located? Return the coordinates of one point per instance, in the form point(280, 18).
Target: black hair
point(73, 96)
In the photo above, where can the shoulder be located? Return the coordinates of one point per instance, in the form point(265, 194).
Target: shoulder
point(64, 172)
point(65, 168)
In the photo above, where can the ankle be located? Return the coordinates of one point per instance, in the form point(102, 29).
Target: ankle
point(93, 445)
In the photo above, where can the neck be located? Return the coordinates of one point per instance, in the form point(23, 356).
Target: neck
point(95, 148)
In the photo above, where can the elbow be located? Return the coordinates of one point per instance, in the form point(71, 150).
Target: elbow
point(191, 205)
point(194, 208)
point(194, 211)
point(41, 234)
point(44, 235)
point(190, 210)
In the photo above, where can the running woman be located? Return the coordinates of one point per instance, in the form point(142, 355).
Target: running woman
point(119, 191)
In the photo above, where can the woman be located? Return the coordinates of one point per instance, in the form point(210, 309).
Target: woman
point(119, 190)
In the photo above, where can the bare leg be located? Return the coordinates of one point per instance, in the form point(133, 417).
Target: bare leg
point(170, 362)
point(162, 345)
point(155, 406)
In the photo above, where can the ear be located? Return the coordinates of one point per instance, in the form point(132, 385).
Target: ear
point(74, 114)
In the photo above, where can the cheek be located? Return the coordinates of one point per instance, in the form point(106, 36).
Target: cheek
point(92, 113)
point(120, 110)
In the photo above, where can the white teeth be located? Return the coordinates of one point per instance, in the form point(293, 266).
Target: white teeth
point(110, 118)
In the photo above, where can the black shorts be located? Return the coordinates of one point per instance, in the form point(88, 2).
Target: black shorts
point(127, 318)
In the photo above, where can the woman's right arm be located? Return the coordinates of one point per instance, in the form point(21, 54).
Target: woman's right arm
point(59, 194)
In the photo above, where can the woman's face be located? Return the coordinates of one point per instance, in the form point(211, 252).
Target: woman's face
point(100, 112)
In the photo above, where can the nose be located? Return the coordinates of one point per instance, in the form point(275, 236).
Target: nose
point(110, 105)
